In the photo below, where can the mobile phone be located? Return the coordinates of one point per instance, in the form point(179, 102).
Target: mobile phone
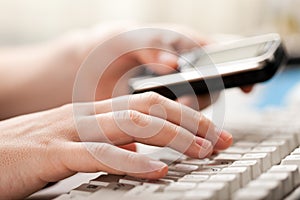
point(233, 64)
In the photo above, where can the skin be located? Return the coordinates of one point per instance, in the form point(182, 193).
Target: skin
point(43, 140)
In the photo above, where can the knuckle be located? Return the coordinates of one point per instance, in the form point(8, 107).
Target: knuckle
point(153, 98)
point(134, 116)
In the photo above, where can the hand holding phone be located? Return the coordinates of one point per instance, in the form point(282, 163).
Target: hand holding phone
point(215, 67)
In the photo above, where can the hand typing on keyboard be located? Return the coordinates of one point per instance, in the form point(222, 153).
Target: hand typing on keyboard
point(46, 146)
point(53, 144)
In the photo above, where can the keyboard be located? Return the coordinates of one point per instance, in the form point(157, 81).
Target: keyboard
point(262, 163)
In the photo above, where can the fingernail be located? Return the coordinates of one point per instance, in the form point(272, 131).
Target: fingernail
point(226, 137)
point(157, 165)
point(206, 147)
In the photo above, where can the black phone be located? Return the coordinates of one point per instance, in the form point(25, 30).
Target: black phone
point(233, 64)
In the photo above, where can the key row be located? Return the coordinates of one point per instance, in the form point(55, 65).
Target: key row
point(275, 184)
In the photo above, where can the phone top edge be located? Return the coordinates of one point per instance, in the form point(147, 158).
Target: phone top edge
point(272, 38)
point(255, 63)
point(242, 42)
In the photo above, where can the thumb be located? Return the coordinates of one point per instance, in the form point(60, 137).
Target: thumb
point(95, 157)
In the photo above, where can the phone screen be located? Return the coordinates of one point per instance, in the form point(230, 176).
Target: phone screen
point(214, 56)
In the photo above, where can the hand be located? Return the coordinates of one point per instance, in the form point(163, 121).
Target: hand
point(156, 46)
point(51, 145)
point(52, 67)
point(159, 59)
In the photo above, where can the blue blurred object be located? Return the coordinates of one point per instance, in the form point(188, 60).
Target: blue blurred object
point(277, 89)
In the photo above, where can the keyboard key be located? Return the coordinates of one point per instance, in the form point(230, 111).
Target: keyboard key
point(198, 162)
point(283, 177)
point(180, 186)
point(243, 173)
point(252, 194)
point(281, 145)
point(272, 150)
point(264, 159)
point(274, 187)
point(172, 178)
point(289, 138)
point(85, 190)
point(218, 163)
point(132, 180)
point(112, 191)
point(168, 162)
point(172, 154)
point(200, 194)
point(161, 181)
point(168, 195)
point(228, 157)
point(231, 179)
point(194, 178)
point(142, 190)
point(207, 171)
point(183, 168)
point(291, 160)
point(296, 151)
point(105, 180)
point(119, 187)
point(174, 173)
point(221, 189)
point(252, 164)
point(291, 169)
point(237, 150)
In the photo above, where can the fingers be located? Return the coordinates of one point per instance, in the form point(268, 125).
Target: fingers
point(160, 107)
point(123, 127)
point(95, 157)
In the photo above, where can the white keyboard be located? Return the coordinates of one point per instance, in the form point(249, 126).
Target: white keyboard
point(262, 163)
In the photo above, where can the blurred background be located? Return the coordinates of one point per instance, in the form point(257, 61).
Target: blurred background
point(34, 20)
point(30, 21)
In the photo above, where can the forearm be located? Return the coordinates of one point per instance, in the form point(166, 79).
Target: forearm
point(35, 78)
